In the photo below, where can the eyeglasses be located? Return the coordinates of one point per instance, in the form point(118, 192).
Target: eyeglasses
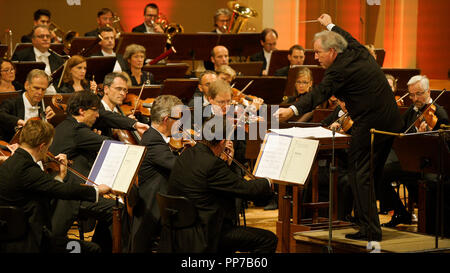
point(120, 89)
point(302, 82)
point(418, 94)
point(223, 102)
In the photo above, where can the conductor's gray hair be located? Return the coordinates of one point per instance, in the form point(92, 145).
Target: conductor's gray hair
point(331, 39)
point(424, 82)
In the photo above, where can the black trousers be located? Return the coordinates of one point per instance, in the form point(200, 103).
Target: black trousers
point(359, 176)
point(247, 239)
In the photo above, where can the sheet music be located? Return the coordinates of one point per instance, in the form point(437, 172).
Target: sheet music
point(129, 165)
point(273, 156)
point(299, 160)
point(111, 164)
point(309, 132)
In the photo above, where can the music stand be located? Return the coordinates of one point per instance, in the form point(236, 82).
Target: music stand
point(247, 68)
point(278, 60)
point(154, 43)
point(182, 88)
point(99, 67)
point(9, 95)
point(402, 75)
point(151, 91)
point(309, 58)
point(380, 56)
point(193, 46)
point(23, 68)
point(269, 88)
point(80, 44)
point(164, 71)
point(242, 44)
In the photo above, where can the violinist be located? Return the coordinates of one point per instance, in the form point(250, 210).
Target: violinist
point(419, 93)
point(209, 183)
point(24, 184)
point(154, 172)
point(393, 84)
point(15, 111)
point(205, 79)
point(75, 136)
point(135, 57)
point(74, 76)
point(8, 81)
point(339, 119)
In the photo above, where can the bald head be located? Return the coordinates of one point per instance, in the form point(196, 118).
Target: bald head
point(219, 56)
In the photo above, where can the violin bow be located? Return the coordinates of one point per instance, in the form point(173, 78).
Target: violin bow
point(140, 93)
point(402, 97)
point(426, 109)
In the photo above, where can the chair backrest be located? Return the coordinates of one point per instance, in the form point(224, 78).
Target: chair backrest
point(12, 223)
point(176, 211)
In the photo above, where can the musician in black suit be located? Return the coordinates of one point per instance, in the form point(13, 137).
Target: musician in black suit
point(105, 17)
point(353, 76)
point(107, 45)
point(151, 14)
point(296, 56)
point(222, 20)
point(268, 41)
point(154, 172)
point(201, 93)
point(24, 184)
point(40, 51)
point(419, 93)
point(75, 138)
point(41, 17)
point(15, 111)
point(209, 183)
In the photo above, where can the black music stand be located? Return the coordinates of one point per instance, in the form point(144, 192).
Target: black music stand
point(154, 43)
point(247, 68)
point(309, 58)
point(3, 50)
point(430, 158)
point(169, 70)
point(80, 44)
point(278, 60)
point(193, 46)
point(182, 88)
point(269, 88)
point(242, 44)
point(99, 67)
point(23, 68)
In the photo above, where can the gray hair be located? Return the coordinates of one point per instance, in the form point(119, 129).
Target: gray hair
point(130, 50)
point(37, 73)
point(222, 11)
point(218, 86)
point(424, 82)
point(162, 107)
point(331, 39)
point(109, 78)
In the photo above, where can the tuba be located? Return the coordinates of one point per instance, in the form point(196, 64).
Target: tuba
point(239, 16)
point(116, 25)
point(169, 28)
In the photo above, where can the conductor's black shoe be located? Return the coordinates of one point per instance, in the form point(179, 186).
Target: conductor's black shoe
point(273, 204)
point(362, 236)
point(397, 219)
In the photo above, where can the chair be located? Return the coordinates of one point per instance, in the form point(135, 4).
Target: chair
point(177, 212)
point(12, 223)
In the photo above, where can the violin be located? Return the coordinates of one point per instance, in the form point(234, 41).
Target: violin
point(132, 104)
point(179, 144)
point(429, 116)
point(345, 122)
point(57, 101)
point(399, 100)
point(237, 97)
point(4, 151)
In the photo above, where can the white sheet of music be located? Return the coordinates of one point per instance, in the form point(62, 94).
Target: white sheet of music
point(309, 132)
point(129, 165)
point(111, 165)
point(299, 160)
point(273, 156)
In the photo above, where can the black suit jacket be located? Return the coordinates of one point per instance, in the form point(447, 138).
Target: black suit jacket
point(25, 185)
point(27, 55)
point(153, 177)
point(356, 78)
point(143, 78)
point(92, 33)
point(141, 28)
point(11, 110)
point(259, 57)
point(284, 71)
point(212, 186)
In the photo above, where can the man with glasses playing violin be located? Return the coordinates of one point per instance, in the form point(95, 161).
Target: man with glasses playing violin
point(25, 185)
point(419, 93)
point(15, 111)
point(155, 171)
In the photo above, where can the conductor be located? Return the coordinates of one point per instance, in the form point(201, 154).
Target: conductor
point(353, 76)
